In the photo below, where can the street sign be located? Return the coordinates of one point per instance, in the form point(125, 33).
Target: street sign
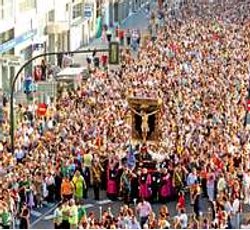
point(114, 53)
point(42, 109)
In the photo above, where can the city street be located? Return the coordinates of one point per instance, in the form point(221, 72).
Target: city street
point(45, 221)
point(136, 20)
point(156, 140)
point(41, 218)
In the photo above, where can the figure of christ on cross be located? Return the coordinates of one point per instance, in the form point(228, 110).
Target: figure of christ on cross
point(144, 125)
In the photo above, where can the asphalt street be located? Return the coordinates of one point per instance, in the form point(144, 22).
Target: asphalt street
point(45, 220)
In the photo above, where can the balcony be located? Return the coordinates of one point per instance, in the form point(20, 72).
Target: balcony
point(57, 27)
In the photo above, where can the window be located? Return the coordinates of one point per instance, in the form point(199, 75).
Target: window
point(77, 10)
point(51, 16)
point(26, 5)
point(67, 7)
point(6, 36)
point(99, 5)
point(1, 10)
point(6, 9)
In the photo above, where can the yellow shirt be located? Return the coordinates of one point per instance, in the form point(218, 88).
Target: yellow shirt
point(73, 216)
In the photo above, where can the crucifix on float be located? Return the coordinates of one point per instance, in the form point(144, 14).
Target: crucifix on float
point(145, 118)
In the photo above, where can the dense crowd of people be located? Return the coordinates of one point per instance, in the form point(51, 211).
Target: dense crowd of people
point(197, 61)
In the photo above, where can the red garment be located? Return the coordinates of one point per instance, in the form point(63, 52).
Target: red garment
point(144, 188)
point(37, 73)
point(215, 37)
point(181, 202)
point(144, 149)
point(104, 59)
point(121, 34)
point(175, 48)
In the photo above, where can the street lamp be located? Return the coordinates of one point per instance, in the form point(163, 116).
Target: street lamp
point(113, 51)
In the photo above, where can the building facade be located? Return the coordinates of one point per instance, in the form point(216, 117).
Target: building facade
point(31, 27)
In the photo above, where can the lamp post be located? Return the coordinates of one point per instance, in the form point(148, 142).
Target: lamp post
point(112, 61)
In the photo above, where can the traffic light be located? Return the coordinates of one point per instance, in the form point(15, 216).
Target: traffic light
point(96, 61)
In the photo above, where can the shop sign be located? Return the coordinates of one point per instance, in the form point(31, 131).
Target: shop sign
point(14, 42)
point(14, 63)
point(9, 62)
point(88, 11)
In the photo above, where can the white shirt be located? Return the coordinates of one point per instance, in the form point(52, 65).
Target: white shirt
point(144, 209)
point(246, 180)
point(50, 124)
point(19, 154)
point(30, 130)
point(134, 225)
point(192, 179)
point(50, 180)
point(221, 184)
point(184, 220)
point(236, 206)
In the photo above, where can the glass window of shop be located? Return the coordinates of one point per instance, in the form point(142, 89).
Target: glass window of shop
point(6, 78)
point(7, 35)
point(99, 5)
point(51, 16)
point(7, 72)
point(27, 54)
point(77, 10)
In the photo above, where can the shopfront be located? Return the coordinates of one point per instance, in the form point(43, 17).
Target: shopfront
point(8, 63)
point(26, 53)
point(12, 55)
